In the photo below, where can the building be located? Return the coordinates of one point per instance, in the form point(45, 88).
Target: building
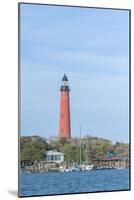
point(54, 156)
point(65, 127)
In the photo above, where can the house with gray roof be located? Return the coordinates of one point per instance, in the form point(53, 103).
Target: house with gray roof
point(54, 156)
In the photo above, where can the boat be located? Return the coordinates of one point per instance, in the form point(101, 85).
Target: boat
point(89, 167)
point(120, 168)
point(75, 169)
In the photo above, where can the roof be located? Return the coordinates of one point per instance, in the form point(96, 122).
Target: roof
point(64, 78)
point(53, 152)
point(111, 158)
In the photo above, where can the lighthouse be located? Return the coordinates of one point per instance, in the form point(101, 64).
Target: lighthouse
point(65, 128)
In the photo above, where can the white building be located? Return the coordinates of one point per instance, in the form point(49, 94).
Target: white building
point(54, 156)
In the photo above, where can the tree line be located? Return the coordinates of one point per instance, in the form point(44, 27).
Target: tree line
point(85, 149)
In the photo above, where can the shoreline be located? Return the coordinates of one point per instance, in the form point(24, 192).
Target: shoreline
point(57, 171)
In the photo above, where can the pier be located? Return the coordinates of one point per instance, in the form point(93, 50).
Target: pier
point(109, 163)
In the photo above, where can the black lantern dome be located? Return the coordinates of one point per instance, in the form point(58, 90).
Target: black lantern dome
point(64, 78)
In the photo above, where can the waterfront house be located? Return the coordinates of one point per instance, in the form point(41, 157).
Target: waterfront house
point(54, 156)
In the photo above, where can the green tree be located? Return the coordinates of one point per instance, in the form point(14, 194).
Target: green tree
point(32, 148)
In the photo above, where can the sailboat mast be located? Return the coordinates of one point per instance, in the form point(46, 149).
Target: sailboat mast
point(80, 144)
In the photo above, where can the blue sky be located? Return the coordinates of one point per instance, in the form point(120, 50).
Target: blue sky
point(92, 47)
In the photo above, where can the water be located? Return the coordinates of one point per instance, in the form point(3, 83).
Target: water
point(73, 182)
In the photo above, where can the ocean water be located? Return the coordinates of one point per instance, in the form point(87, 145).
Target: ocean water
point(73, 182)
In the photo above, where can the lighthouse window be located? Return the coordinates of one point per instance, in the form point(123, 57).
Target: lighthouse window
point(62, 114)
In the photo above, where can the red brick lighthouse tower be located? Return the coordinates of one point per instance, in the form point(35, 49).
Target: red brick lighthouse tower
point(65, 129)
